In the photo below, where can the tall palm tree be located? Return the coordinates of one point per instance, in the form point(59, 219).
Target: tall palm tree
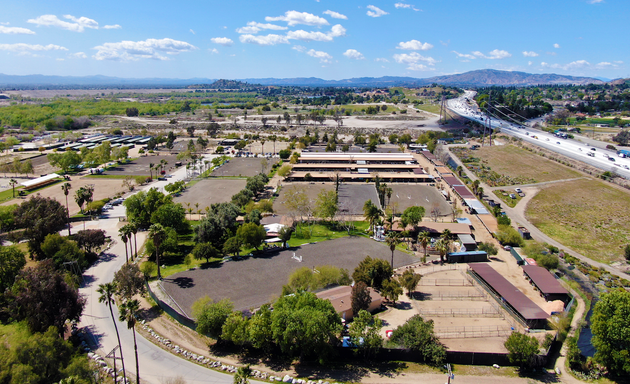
point(125, 235)
point(371, 213)
point(151, 165)
point(13, 183)
point(392, 240)
point(107, 292)
point(424, 238)
point(262, 146)
point(134, 229)
point(66, 187)
point(157, 234)
point(442, 247)
point(128, 312)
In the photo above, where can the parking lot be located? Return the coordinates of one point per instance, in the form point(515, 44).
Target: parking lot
point(244, 166)
point(210, 191)
point(252, 282)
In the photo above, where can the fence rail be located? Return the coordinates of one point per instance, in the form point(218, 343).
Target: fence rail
point(472, 332)
point(461, 312)
point(446, 282)
point(463, 295)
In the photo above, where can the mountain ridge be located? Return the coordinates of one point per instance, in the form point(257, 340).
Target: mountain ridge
point(476, 78)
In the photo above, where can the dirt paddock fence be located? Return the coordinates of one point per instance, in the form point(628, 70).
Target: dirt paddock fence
point(473, 332)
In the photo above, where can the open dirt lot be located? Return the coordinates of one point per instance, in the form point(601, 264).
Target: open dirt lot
point(243, 166)
point(353, 196)
point(102, 188)
point(515, 162)
point(589, 216)
point(407, 195)
point(210, 191)
point(140, 166)
point(255, 281)
point(312, 189)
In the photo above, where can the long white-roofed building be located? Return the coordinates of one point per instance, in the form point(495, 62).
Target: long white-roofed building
point(390, 167)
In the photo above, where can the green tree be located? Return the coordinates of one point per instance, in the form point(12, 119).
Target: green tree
point(412, 215)
point(205, 251)
point(610, 325)
point(521, 348)
point(360, 297)
point(364, 332)
point(172, 216)
point(326, 205)
point(233, 245)
point(285, 235)
point(39, 216)
point(409, 280)
point(12, 261)
point(211, 316)
point(372, 272)
point(371, 213)
point(424, 238)
point(13, 183)
point(242, 375)
point(260, 332)
point(305, 326)
point(107, 292)
point(626, 252)
point(65, 187)
point(392, 240)
point(125, 233)
point(62, 250)
point(489, 248)
point(129, 281)
point(235, 329)
point(157, 233)
point(391, 290)
point(418, 336)
point(128, 313)
point(251, 235)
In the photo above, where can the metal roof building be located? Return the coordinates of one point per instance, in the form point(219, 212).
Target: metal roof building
point(524, 307)
point(548, 286)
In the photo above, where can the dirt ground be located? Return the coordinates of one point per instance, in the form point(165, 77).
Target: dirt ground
point(353, 196)
point(407, 195)
point(312, 189)
point(252, 282)
point(210, 191)
point(102, 188)
point(243, 166)
point(140, 166)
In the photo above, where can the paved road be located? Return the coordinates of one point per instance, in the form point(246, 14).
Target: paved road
point(601, 158)
point(156, 364)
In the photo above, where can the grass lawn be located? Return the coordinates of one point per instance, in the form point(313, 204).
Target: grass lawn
point(322, 233)
point(433, 108)
point(518, 165)
point(504, 194)
point(586, 215)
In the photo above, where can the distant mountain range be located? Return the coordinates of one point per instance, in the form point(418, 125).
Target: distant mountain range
point(478, 78)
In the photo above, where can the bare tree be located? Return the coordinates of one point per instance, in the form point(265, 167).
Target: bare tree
point(435, 211)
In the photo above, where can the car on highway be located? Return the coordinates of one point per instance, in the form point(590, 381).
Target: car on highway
point(593, 149)
point(626, 167)
point(591, 154)
point(612, 159)
point(557, 142)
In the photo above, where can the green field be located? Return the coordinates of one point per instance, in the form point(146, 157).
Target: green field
point(589, 216)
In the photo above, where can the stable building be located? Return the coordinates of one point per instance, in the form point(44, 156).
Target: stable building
point(341, 298)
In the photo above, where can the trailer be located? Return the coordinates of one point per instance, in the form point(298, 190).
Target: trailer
point(623, 153)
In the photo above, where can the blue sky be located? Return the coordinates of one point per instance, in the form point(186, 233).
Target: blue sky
point(313, 38)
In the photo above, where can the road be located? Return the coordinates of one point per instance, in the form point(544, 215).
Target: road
point(599, 157)
point(156, 364)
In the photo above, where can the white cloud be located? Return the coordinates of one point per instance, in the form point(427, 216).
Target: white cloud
point(596, 1)
point(147, 49)
point(295, 18)
point(530, 54)
point(530, 62)
point(214, 51)
point(407, 6)
point(337, 31)
point(492, 55)
point(375, 11)
point(413, 60)
point(582, 64)
point(255, 27)
point(414, 45)
point(381, 59)
point(335, 15)
point(191, 31)
point(16, 30)
point(322, 56)
point(556, 45)
point(79, 55)
point(353, 54)
point(224, 41)
point(299, 48)
point(308, 36)
point(79, 23)
point(116, 26)
point(270, 39)
point(5, 23)
point(21, 47)
point(465, 55)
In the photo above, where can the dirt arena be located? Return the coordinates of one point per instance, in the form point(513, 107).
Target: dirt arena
point(407, 195)
point(311, 189)
point(210, 191)
point(353, 196)
point(255, 281)
point(140, 166)
point(243, 166)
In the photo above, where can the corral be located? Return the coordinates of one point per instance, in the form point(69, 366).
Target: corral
point(210, 191)
point(243, 166)
point(252, 282)
point(353, 196)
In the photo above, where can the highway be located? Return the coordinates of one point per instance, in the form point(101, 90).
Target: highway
point(156, 364)
point(599, 157)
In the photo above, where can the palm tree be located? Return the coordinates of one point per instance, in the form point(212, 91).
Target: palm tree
point(371, 213)
point(128, 312)
point(424, 238)
point(157, 233)
point(107, 292)
point(66, 187)
point(125, 235)
point(262, 146)
point(242, 375)
point(13, 183)
point(197, 210)
point(134, 229)
point(442, 247)
point(273, 138)
point(392, 240)
point(151, 165)
point(459, 170)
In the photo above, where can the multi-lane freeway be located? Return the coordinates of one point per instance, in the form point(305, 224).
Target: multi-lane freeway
point(595, 155)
